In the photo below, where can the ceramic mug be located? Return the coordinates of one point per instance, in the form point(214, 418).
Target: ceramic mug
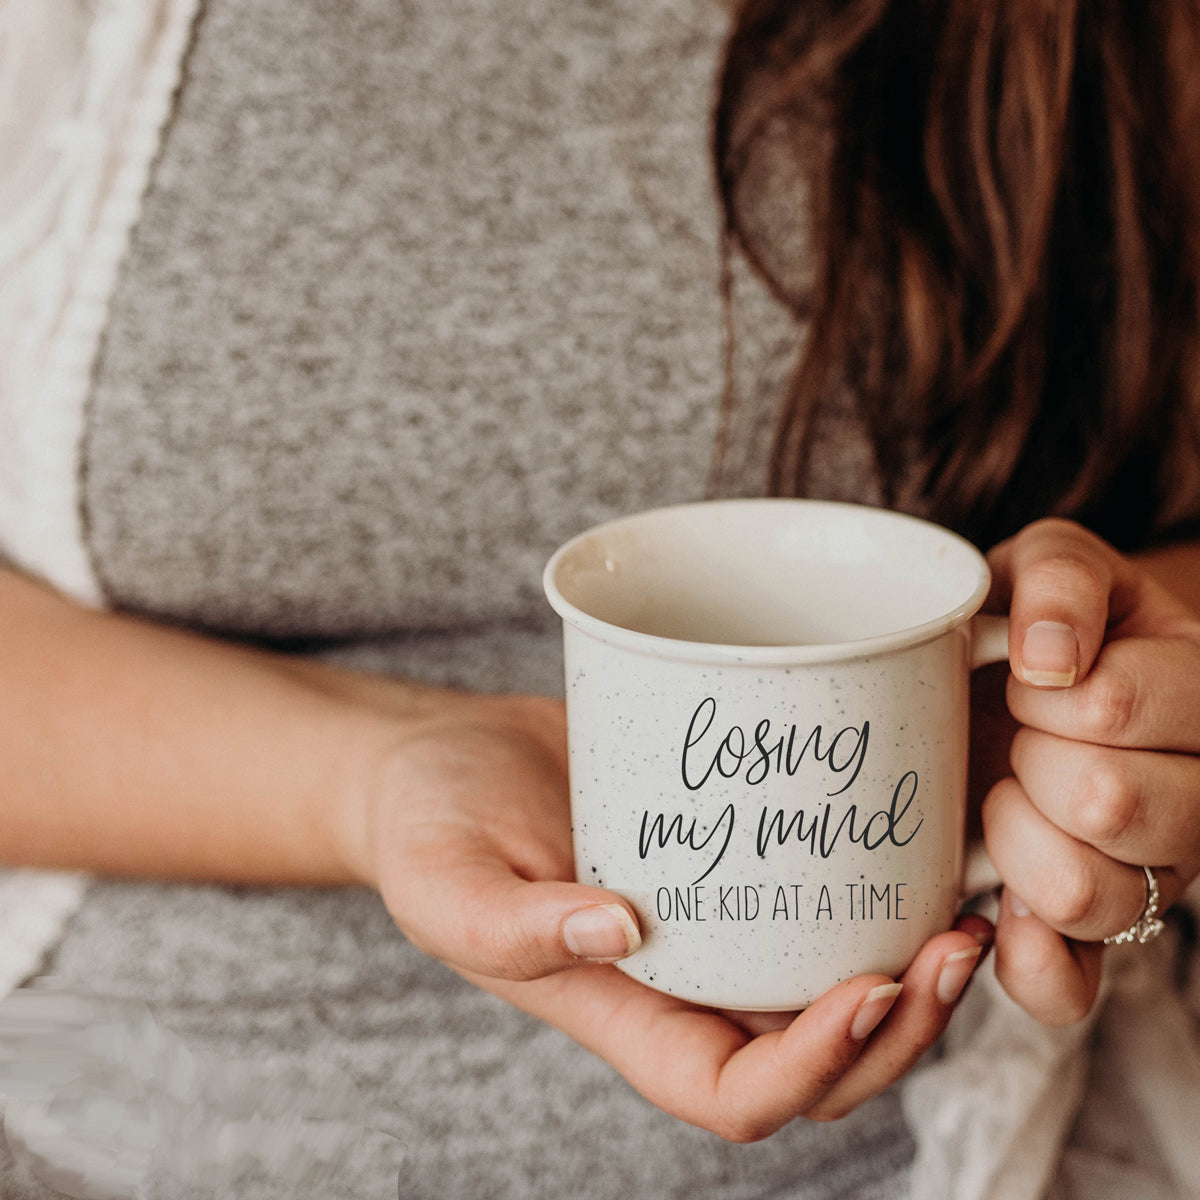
point(767, 706)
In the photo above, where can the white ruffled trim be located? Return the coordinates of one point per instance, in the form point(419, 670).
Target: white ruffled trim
point(86, 89)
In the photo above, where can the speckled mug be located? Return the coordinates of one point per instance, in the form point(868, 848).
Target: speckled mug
point(767, 709)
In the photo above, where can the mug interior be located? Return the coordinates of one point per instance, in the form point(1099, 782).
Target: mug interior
point(768, 573)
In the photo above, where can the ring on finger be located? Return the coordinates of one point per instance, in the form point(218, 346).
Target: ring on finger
point(1149, 925)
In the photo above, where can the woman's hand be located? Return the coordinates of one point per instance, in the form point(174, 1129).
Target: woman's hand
point(1106, 778)
point(468, 840)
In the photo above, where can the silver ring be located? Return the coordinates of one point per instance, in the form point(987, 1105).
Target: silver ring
point(1148, 926)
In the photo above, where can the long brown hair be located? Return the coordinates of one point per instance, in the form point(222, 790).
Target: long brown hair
point(1004, 213)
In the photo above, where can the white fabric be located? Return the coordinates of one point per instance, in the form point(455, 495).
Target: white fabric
point(85, 87)
point(1144, 1102)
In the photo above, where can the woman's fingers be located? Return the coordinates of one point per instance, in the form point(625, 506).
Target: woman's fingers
point(933, 985)
point(696, 1064)
point(1106, 683)
point(1137, 806)
point(1062, 586)
point(468, 907)
point(502, 925)
point(778, 1076)
point(1073, 887)
point(1052, 979)
point(704, 1068)
point(1066, 590)
point(1143, 693)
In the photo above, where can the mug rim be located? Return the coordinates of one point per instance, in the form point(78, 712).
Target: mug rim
point(801, 654)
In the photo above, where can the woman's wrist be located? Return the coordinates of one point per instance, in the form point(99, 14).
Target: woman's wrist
point(394, 729)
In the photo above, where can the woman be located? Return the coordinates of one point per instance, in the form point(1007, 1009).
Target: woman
point(386, 333)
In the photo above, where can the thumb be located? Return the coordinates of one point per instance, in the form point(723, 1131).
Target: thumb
point(1062, 584)
point(491, 921)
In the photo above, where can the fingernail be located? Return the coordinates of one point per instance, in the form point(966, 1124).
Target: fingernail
point(956, 970)
point(601, 933)
point(1049, 655)
point(1017, 906)
point(876, 1005)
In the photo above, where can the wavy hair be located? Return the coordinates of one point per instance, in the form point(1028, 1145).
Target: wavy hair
point(1003, 205)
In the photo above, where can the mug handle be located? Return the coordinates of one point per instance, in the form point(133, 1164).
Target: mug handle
point(989, 639)
point(989, 644)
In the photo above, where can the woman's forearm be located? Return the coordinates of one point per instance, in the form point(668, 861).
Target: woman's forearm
point(130, 748)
